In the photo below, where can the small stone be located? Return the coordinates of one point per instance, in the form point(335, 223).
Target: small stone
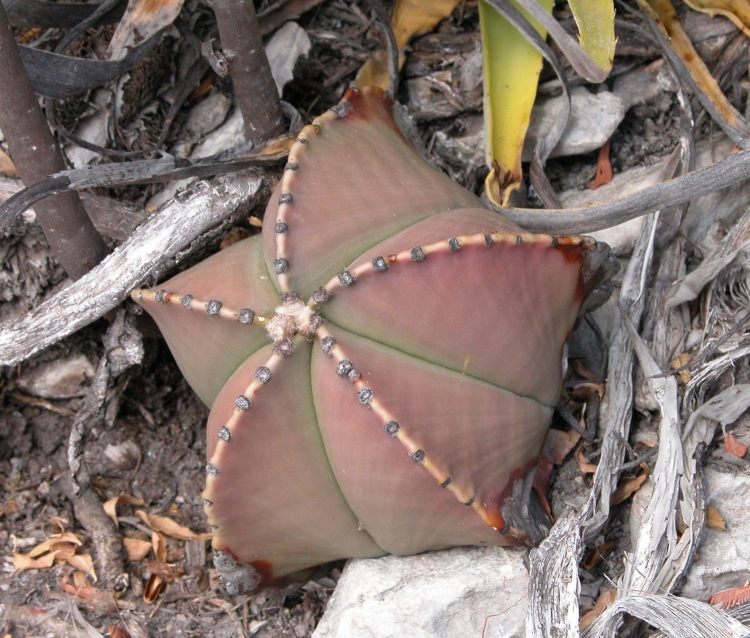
point(213, 307)
point(280, 228)
point(326, 343)
point(488, 239)
point(343, 367)
point(453, 244)
point(246, 316)
point(224, 434)
point(211, 469)
point(519, 240)
point(186, 301)
point(207, 502)
point(365, 396)
point(161, 296)
point(303, 140)
point(442, 594)
point(346, 278)
point(379, 264)
point(280, 266)
point(391, 428)
point(59, 379)
point(417, 254)
point(262, 374)
point(291, 166)
point(242, 402)
point(418, 456)
point(285, 198)
point(353, 375)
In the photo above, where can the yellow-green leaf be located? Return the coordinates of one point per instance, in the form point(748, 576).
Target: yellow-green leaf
point(511, 76)
point(596, 29)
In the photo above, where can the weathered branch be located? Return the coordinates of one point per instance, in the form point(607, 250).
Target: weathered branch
point(68, 229)
point(151, 250)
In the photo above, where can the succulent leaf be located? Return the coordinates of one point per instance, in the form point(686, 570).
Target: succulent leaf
point(354, 186)
point(404, 405)
point(207, 347)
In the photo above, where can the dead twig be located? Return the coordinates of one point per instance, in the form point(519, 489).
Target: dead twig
point(68, 229)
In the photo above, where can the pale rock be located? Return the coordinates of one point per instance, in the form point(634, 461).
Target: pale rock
point(60, 379)
point(209, 114)
point(644, 84)
point(723, 556)
point(283, 50)
point(465, 591)
point(594, 117)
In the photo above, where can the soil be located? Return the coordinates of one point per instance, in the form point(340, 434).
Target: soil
point(153, 446)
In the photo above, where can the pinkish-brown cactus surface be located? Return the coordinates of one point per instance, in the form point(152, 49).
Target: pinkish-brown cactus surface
point(381, 365)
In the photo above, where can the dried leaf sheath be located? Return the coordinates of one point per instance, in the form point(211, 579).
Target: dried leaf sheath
point(423, 393)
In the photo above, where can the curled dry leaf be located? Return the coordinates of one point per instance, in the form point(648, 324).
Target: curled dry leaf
point(84, 563)
point(159, 543)
point(583, 464)
point(47, 546)
point(169, 527)
point(730, 597)
point(601, 604)
point(136, 548)
point(168, 573)
point(100, 602)
point(110, 507)
point(628, 487)
point(714, 519)
point(558, 445)
point(733, 446)
point(22, 562)
point(154, 587)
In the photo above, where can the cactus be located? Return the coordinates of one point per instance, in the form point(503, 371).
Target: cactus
point(382, 364)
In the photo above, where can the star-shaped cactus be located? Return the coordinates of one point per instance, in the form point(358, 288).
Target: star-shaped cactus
point(381, 365)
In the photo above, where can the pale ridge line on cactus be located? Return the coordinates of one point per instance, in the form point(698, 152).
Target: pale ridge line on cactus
point(286, 198)
point(210, 307)
point(260, 379)
point(453, 245)
point(415, 451)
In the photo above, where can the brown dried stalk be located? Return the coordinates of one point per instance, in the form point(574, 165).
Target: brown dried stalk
point(254, 86)
point(68, 229)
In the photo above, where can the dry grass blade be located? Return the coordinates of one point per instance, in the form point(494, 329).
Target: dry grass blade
point(692, 70)
point(142, 19)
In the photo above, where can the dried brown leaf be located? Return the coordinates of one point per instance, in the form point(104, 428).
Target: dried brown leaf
point(136, 549)
point(733, 446)
point(46, 546)
point(731, 597)
point(7, 167)
point(558, 444)
point(583, 464)
point(627, 487)
point(110, 507)
point(601, 604)
point(22, 562)
point(714, 519)
point(84, 563)
point(159, 543)
point(154, 586)
point(169, 527)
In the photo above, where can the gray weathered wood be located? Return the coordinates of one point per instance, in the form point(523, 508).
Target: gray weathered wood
point(156, 245)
